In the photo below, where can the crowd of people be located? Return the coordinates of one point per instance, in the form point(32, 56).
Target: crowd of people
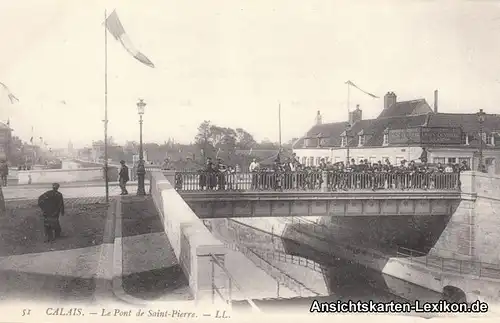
point(291, 174)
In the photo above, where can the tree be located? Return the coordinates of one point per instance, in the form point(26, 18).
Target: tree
point(204, 138)
point(289, 144)
point(244, 140)
point(223, 137)
point(268, 144)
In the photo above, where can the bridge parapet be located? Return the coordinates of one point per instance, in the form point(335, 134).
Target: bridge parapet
point(194, 246)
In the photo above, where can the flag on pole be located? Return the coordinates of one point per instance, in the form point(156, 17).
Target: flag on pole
point(115, 27)
point(368, 93)
point(11, 96)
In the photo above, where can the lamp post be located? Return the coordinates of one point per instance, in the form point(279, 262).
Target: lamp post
point(480, 118)
point(141, 170)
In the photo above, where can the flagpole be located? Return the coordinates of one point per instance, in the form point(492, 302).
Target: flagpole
point(106, 107)
point(348, 130)
point(348, 99)
point(279, 123)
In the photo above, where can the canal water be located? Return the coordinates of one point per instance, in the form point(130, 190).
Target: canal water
point(312, 274)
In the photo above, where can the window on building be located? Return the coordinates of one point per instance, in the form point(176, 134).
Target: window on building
point(327, 159)
point(337, 159)
point(304, 160)
point(484, 136)
point(398, 160)
point(464, 159)
point(489, 161)
point(384, 158)
point(373, 159)
point(437, 160)
point(311, 161)
point(386, 139)
point(361, 141)
point(343, 141)
point(465, 138)
point(318, 160)
point(490, 139)
point(452, 160)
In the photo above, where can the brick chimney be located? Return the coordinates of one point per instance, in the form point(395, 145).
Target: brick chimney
point(356, 115)
point(389, 99)
point(436, 101)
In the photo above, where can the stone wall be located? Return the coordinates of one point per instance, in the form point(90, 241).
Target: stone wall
point(192, 242)
point(65, 175)
point(473, 231)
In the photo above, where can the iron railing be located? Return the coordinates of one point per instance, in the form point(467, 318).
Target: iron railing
point(279, 275)
point(311, 181)
point(466, 267)
point(257, 258)
point(224, 292)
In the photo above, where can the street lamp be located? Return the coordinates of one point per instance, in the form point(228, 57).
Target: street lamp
point(141, 170)
point(480, 118)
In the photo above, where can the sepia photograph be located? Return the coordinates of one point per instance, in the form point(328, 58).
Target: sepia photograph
point(249, 160)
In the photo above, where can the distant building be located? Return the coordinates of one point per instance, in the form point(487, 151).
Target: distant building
point(400, 132)
point(5, 140)
point(70, 151)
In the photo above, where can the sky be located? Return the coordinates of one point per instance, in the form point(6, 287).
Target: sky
point(232, 62)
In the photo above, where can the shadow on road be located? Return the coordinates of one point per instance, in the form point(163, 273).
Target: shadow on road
point(150, 268)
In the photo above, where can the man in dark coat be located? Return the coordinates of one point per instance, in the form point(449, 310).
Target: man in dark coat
point(423, 155)
point(123, 178)
point(52, 205)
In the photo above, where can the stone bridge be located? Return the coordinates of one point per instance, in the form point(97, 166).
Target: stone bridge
point(401, 231)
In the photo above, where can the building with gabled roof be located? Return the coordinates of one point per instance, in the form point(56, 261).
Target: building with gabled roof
point(400, 132)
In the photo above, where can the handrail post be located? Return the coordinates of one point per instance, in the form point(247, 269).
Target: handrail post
point(230, 291)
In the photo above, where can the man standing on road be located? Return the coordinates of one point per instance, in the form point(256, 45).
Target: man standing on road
point(123, 178)
point(52, 205)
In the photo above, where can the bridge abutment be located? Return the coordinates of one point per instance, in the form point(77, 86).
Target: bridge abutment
point(473, 231)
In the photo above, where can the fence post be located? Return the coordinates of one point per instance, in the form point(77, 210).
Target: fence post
point(213, 281)
point(230, 291)
point(324, 184)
